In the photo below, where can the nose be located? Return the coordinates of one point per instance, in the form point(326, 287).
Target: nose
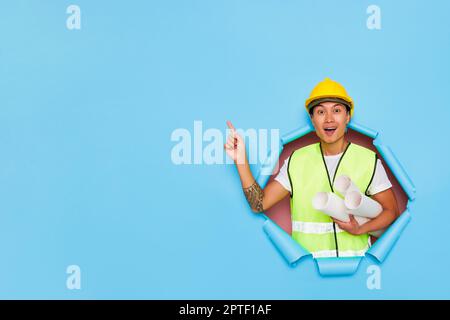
point(329, 117)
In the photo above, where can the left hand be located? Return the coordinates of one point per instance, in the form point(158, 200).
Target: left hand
point(351, 227)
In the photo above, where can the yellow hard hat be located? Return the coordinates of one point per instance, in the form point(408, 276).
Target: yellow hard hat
point(329, 90)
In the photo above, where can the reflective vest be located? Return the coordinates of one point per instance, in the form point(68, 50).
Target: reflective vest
point(307, 172)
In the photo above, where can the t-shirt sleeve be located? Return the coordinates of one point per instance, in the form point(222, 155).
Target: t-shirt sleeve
point(380, 180)
point(282, 176)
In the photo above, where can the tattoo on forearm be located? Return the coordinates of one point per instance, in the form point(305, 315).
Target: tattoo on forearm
point(254, 195)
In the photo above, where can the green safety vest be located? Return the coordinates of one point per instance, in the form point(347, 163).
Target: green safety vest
point(312, 229)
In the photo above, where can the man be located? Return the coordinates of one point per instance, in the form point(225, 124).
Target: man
point(313, 169)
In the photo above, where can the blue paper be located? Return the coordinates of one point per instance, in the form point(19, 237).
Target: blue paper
point(361, 129)
point(288, 247)
point(268, 166)
point(384, 245)
point(397, 169)
point(344, 266)
point(296, 133)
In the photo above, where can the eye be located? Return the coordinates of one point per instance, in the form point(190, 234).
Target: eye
point(320, 112)
point(337, 110)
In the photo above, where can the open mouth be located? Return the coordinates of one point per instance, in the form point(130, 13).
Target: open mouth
point(330, 131)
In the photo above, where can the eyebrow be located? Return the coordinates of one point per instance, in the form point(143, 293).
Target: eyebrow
point(337, 104)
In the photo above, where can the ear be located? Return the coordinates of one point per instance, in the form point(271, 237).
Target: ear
point(312, 119)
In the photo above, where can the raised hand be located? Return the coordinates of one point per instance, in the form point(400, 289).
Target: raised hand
point(235, 145)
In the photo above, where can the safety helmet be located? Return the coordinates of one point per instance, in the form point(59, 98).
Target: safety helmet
point(329, 90)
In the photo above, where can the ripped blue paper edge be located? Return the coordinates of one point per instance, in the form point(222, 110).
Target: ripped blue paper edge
point(292, 252)
point(344, 266)
point(269, 164)
point(397, 169)
point(362, 129)
point(380, 250)
point(296, 133)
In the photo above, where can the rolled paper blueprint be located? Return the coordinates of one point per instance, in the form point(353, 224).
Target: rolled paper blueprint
point(330, 204)
point(361, 205)
point(344, 184)
point(363, 208)
point(361, 220)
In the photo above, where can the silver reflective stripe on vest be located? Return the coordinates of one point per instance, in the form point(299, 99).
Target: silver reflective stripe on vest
point(332, 253)
point(314, 227)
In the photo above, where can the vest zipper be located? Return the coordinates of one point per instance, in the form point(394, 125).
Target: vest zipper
point(335, 239)
point(332, 190)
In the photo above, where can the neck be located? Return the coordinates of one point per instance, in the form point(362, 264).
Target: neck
point(330, 149)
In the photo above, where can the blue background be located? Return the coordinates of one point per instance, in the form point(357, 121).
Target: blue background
point(86, 116)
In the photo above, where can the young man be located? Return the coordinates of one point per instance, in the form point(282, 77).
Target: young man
point(312, 169)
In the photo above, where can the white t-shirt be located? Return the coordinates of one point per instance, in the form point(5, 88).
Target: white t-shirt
point(380, 181)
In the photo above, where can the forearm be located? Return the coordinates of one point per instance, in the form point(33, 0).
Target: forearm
point(252, 191)
point(245, 174)
point(384, 219)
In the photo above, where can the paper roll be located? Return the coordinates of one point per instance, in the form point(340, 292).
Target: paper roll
point(362, 205)
point(361, 220)
point(343, 184)
point(363, 208)
point(330, 204)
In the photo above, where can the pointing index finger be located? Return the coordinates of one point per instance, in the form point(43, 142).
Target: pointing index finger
point(230, 125)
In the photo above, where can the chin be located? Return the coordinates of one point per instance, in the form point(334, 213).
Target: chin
point(329, 140)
